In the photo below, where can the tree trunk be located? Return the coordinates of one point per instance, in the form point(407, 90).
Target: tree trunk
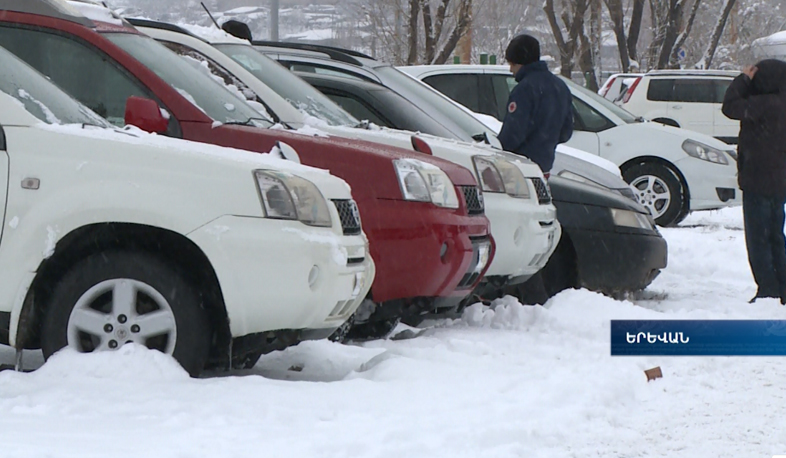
point(429, 29)
point(634, 29)
point(706, 61)
point(671, 29)
point(618, 22)
point(463, 22)
point(684, 34)
point(574, 25)
point(587, 64)
point(414, 13)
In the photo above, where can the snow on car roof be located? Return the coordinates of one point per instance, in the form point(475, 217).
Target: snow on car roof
point(52, 8)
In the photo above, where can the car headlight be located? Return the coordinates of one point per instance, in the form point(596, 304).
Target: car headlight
point(704, 152)
point(733, 154)
point(627, 218)
point(422, 182)
point(581, 179)
point(286, 196)
point(501, 176)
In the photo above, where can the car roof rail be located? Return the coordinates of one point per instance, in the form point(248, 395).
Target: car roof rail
point(138, 22)
point(339, 54)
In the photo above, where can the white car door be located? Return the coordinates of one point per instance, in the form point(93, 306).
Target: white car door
point(693, 104)
point(3, 180)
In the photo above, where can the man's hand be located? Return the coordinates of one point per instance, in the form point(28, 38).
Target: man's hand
point(750, 71)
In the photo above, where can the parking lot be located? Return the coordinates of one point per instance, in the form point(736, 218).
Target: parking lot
point(516, 381)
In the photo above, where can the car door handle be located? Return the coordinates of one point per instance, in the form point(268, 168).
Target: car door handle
point(677, 107)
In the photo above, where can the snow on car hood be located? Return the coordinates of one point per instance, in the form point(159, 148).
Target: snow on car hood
point(218, 154)
point(213, 35)
point(649, 127)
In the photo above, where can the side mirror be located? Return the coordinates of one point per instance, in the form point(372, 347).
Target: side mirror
point(287, 152)
point(145, 114)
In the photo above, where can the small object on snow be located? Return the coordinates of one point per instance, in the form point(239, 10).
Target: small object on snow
point(653, 373)
point(296, 368)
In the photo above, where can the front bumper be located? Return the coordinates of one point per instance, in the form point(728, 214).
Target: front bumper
point(526, 235)
point(617, 261)
point(705, 179)
point(264, 268)
point(422, 250)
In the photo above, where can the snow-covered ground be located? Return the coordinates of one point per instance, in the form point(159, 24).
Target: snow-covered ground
point(513, 382)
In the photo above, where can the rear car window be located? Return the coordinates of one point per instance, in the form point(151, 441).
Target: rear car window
point(660, 90)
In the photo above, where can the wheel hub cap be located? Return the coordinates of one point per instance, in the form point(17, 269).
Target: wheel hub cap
point(118, 311)
point(653, 193)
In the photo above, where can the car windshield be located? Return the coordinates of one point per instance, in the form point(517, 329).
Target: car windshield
point(41, 97)
point(296, 91)
point(605, 103)
point(415, 90)
point(198, 88)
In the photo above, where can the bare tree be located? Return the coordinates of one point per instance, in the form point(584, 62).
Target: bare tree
point(634, 29)
point(572, 15)
point(706, 60)
point(683, 36)
point(617, 17)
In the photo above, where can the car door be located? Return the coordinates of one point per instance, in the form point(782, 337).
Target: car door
point(692, 106)
point(3, 181)
point(502, 85)
point(724, 128)
point(587, 124)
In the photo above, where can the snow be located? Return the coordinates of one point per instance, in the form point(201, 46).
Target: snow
point(50, 117)
point(52, 235)
point(96, 12)
point(133, 135)
point(211, 34)
point(311, 35)
point(14, 222)
point(337, 250)
point(507, 381)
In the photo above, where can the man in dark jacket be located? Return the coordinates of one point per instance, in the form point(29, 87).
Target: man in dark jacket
point(757, 98)
point(540, 113)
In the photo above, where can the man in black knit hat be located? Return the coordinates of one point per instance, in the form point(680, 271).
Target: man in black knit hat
point(540, 113)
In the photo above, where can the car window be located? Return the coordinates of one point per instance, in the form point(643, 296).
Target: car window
point(40, 96)
point(464, 89)
point(590, 119)
point(502, 88)
point(297, 92)
point(694, 90)
point(721, 86)
point(81, 71)
point(322, 71)
point(221, 76)
point(356, 108)
point(195, 86)
point(660, 90)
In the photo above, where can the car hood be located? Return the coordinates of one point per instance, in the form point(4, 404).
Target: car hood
point(590, 171)
point(570, 191)
point(648, 129)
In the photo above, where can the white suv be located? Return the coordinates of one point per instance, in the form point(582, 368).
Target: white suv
point(204, 253)
point(691, 99)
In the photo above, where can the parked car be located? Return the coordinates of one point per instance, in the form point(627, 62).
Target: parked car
point(594, 252)
point(198, 251)
point(675, 170)
point(617, 85)
point(429, 250)
point(690, 99)
point(770, 47)
point(516, 197)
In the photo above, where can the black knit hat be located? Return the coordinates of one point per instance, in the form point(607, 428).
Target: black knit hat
point(237, 28)
point(523, 49)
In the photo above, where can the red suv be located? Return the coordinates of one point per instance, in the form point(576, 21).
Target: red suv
point(430, 249)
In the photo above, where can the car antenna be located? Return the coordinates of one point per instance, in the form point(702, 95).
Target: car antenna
point(211, 16)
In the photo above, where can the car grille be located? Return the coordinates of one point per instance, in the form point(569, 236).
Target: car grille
point(474, 200)
point(350, 216)
point(544, 196)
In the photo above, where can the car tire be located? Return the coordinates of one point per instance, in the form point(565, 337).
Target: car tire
point(371, 330)
point(115, 297)
point(660, 190)
point(340, 334)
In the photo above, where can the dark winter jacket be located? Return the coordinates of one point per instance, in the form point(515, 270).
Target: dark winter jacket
point(540, 115)
point(760, 106)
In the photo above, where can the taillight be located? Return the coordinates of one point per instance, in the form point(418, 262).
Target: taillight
point(630, 90)
point(420, 145)
point(605, 89)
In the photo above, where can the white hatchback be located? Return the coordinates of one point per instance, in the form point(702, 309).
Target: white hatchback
point(204, 253)
point(674, 170)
